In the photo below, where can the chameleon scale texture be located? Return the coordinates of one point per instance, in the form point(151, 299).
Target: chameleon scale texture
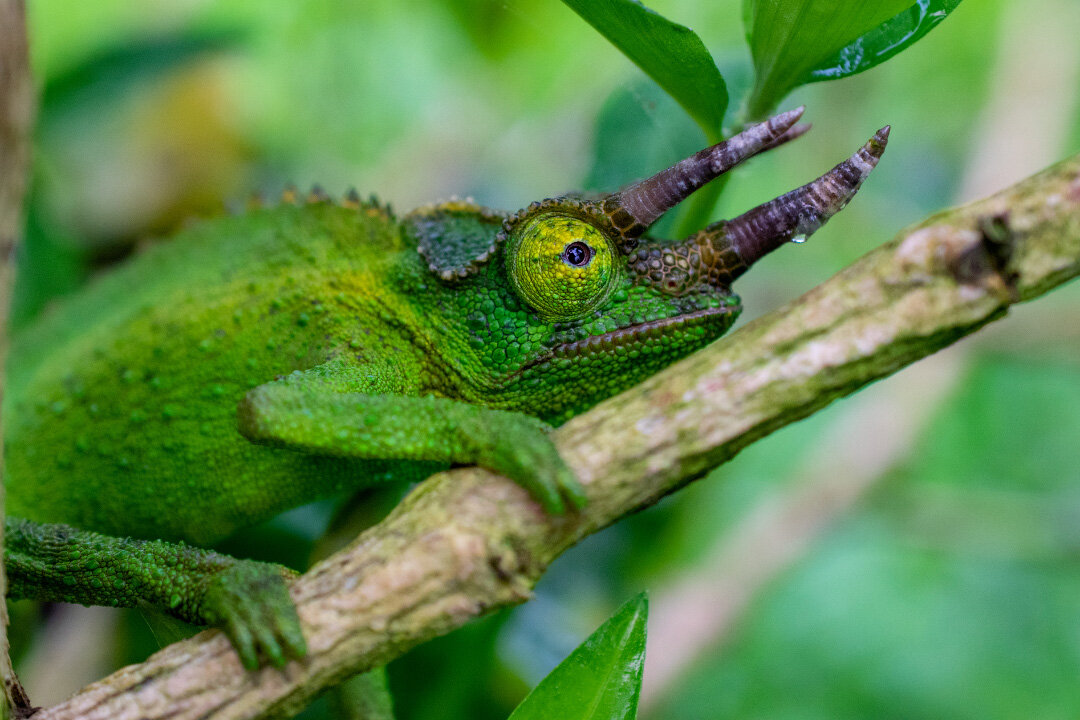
point(258, 362)
point(123, 401)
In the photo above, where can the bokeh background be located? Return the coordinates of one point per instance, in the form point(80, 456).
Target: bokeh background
point(912, 551)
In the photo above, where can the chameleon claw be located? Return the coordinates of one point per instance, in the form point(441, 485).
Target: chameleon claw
point(270, 647)
point(574, 492)
point(250, 602)
point(293, 638)
point(547, 493)
point(244, 644)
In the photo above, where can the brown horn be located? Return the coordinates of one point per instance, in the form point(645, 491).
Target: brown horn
point(647, 200)
point(723, 251)
point(799, 213)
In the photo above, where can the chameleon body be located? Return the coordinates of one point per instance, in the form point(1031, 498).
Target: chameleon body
point(257, 362)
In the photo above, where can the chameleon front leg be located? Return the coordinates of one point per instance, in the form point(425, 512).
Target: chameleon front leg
point(305, 412)
point(248, 600)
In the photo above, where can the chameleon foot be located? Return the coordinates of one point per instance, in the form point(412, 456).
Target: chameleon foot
point(250, 602)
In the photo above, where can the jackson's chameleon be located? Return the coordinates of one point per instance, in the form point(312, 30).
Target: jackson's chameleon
point(258, 362)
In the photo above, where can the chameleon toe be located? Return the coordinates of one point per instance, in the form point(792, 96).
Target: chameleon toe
point(573, 491)
point(244, 644)
point(269, 646)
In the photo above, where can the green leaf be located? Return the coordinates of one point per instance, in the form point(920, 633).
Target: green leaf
point(165, 628)
point(116, 70)
point(601, 679)
point(790, 38)
point(640, 117)
point(884, 41)
point(671, 54)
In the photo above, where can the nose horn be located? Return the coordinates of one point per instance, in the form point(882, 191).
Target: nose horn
point(801, 212)
point(635, 208)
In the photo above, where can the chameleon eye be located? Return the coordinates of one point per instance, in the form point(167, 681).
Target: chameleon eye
point(577, 254)
point(562, 267)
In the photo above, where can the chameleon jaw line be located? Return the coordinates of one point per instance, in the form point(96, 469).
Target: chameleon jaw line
point(632, 335)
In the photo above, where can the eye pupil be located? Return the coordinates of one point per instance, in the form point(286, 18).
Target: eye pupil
point(577, 254)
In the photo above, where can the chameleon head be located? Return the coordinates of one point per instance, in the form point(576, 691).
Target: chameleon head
point(583, 305)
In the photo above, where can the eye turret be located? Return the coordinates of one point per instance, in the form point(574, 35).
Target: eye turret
point(561, 266)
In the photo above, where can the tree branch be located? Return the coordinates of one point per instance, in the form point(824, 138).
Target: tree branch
point(16, 113)
point(698, 609)
point(467, 542)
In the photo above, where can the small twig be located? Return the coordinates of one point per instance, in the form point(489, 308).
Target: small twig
point(467, 542)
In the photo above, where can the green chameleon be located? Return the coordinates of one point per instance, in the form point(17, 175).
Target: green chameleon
point(261, 361)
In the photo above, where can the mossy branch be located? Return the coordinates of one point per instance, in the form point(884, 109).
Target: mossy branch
point(467, 542)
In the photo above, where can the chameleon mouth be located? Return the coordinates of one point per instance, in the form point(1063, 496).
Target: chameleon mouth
point(634, 334)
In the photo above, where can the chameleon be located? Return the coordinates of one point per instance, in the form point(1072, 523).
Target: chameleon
point(312, 348)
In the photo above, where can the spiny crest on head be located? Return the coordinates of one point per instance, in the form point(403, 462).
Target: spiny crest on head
point(352, 199)
point(316, 196)
point(372, 206)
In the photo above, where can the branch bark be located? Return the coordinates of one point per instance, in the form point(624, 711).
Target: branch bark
point(16, 113)
point(698, 610)
point(467, 542)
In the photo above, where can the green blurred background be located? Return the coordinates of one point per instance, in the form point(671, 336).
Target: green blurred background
point(909, 552)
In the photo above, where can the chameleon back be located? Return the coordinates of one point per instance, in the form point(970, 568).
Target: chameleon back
point(123, 398)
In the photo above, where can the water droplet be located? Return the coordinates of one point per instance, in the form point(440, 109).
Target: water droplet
point(798, 239)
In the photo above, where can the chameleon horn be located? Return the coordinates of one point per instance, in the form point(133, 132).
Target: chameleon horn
point(723, 251)
point(799, 213)
point(645, 201)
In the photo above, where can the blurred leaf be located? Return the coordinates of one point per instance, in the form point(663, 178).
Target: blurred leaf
point(363, 696)
point(1011, 427)
point(165, 628)
point(456, 676)
point(116, 70)
point(601, 679)
point(790, 38)
point(959, 572)
point(50, 264)
point(54, 258)
point(640, 130)
point(671, 54)
point(886, 40)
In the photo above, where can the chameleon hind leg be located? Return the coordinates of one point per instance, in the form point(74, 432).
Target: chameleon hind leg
point(248, 600)
point(320, 413)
